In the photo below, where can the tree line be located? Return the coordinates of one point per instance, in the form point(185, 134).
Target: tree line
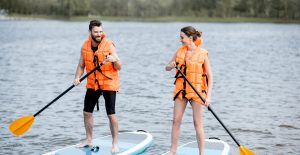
point(289, 9)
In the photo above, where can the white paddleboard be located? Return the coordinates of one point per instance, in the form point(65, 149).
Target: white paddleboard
point(213, 146)
point(130, 143)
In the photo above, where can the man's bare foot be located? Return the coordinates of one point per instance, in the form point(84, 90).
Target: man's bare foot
point(115, 148)
point(172, 153)
point(85, 144)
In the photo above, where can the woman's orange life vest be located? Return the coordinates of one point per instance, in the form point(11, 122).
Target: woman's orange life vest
point(194, 70)
point(107, 78)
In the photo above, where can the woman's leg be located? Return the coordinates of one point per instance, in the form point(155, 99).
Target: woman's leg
point(178, 111)
point(198, 124)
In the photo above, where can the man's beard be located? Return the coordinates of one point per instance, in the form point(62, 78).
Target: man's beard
point(95, 40)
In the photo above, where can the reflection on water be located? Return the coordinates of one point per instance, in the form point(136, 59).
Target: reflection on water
point(256, 83)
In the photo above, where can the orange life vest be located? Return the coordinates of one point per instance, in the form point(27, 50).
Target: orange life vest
point(107, 77)
point(194, 71)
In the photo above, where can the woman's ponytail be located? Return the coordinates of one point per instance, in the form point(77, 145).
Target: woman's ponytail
point(199, 34)
point(191, 31)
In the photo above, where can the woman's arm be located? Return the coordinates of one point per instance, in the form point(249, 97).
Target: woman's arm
point(171, 64)
point(210, 80)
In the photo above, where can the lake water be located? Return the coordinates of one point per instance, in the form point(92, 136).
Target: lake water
point(256, 84)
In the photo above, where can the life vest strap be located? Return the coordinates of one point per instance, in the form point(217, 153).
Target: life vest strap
point(184, 94)
point(103, 74)
point(177, 94)
point(177, 76)
point(96, 64)
point(184, 82)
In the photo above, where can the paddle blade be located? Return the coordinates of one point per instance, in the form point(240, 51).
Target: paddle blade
point(21, 125)
point(245, 151)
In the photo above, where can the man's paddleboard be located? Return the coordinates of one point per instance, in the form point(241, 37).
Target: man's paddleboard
point(130, 143)
point(213, 146)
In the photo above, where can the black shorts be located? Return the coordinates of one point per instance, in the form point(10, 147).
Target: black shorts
point(92, 96)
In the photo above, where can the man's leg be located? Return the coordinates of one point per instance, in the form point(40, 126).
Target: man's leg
point(88, 124)
point(114, 129)
point(110, 101)
point(90, 100)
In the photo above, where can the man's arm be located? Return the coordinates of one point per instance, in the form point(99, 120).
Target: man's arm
point(114, 58)
point(79, 70)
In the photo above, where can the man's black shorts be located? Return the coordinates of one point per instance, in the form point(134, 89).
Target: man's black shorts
point(92, 96)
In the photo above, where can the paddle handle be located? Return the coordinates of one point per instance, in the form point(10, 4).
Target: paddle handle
point(59, 96)
point(63, 93)
point(209, 107)
point(211, 110)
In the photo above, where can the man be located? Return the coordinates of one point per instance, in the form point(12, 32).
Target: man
point(95, 50)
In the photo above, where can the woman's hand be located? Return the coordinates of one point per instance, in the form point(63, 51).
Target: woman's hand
point(207, 101)
point(171, 65)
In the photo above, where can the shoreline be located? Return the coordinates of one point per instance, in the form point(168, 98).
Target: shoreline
point(154, 19)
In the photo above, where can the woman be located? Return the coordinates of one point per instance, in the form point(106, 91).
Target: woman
point(193, 61)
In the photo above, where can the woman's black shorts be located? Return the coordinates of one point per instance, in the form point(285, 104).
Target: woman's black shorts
point(92, 96)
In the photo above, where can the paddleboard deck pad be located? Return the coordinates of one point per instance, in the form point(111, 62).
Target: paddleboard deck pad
point(213, 146)
point(130, 143)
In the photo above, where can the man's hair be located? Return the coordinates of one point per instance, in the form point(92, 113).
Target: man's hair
point(94, 23)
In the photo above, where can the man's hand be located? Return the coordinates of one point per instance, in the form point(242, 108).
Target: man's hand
point(76, 82)
point(112, 58)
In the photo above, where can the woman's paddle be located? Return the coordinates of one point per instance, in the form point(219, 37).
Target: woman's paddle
point(243, 150)
point(21, 125)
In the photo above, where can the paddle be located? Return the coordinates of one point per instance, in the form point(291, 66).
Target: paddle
point(243, 150)
point(21, 125)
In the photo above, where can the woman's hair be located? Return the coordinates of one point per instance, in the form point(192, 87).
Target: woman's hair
point(190, 31)
point(94, 23)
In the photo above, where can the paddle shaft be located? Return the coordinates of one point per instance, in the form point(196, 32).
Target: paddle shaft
point(63, 93)
point(209, 107)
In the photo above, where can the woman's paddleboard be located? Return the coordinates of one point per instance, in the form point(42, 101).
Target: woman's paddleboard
point(130, 143)
point(213, 146)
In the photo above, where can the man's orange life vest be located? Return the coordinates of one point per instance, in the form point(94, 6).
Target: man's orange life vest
point(194, 71)
point(107, 77)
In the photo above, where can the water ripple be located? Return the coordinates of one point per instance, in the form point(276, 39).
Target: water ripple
point(256, 84)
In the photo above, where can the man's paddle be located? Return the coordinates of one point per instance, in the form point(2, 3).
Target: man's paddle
point(21, 125)
point(243, 150)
